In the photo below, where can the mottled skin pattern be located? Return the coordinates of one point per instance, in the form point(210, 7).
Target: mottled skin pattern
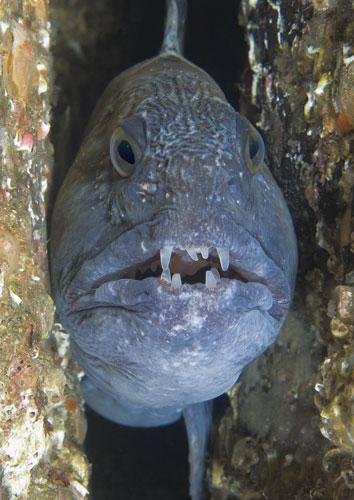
point(151, 351)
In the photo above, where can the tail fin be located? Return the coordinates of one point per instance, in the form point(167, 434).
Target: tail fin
point(176, 13)
point(197, 418)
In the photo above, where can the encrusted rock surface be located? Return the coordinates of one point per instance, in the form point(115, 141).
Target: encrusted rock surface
point(41, 420)
point(272, 443)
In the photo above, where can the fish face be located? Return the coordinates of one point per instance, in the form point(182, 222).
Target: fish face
point(173, 251)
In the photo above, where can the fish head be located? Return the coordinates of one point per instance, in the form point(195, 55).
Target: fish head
point(173, 251)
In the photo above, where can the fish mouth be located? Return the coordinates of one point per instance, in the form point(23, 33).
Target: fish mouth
point(178, 265)
point(213, 261)
point(176, 268)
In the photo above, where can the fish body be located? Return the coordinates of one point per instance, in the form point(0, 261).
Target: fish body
point(173, 252)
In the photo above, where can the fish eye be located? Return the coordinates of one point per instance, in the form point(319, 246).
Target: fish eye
point(254, 151)
point(124, 151)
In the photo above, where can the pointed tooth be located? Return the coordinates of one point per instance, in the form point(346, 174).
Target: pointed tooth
point(224, 256)
point(216, 274)
point(176, 281)
point(210, 280)
point(205, 252)
point(192, 253)
point(165, 256)
point(166, 276)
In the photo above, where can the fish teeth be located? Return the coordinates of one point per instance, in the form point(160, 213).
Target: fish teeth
point(176, 281)
point(165, 256)
point(192, 252)
point(212, 278)
point(166, 276)
point(224, 256)
point(205, 252)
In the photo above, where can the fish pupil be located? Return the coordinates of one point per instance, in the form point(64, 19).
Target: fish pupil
point(253, 146)
point(126, 152)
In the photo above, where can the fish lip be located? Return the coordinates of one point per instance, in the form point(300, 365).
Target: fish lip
point(247, 256)
point(225, 286)
point(277, 311)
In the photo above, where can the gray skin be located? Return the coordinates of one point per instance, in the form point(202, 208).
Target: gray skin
point(152, 351)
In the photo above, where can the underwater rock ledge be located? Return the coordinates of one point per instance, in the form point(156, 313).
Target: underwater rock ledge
point(42, 425)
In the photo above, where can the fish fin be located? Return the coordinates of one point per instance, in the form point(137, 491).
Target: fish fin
point(176, 13)
point(197, 418)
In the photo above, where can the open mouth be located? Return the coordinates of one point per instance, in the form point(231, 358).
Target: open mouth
point(178, 268)
point(114, 275)
point(179, 265)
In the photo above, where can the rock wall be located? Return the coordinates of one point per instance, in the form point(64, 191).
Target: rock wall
point(41, 421)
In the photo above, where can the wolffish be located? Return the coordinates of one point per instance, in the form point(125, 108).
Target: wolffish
point(173, 252)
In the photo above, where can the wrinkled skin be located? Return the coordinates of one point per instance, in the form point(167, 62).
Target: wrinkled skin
point(149, 349)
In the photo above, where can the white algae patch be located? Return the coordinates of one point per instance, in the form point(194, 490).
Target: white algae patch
point(24, 447)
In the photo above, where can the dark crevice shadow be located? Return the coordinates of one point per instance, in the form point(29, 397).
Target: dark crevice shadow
point(137, 463)
point(140, 464)
point(215, 42)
